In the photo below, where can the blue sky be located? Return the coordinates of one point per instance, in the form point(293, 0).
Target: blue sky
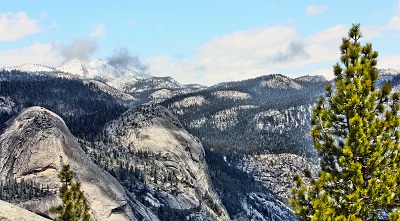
point(203, 42)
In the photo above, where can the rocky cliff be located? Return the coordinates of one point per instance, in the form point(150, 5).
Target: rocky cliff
point(181, 180)
point(33, 147)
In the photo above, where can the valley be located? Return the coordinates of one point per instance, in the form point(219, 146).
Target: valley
point(150, 148)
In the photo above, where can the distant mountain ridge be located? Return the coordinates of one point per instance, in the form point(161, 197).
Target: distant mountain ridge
point(124, 82)
point(84, 70)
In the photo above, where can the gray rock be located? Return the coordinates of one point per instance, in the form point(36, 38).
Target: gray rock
point(35, 145)
point(154, 129)
point(10, 212)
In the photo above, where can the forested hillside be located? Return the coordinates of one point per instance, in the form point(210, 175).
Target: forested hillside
point(84, 107)
point(269, 114)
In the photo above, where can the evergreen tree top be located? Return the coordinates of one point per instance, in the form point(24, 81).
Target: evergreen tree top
point(356, 132)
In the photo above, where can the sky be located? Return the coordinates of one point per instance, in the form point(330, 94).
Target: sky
point(204, 42)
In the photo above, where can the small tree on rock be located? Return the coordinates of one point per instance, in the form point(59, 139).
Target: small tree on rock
point(75, 206)
point(356, 132)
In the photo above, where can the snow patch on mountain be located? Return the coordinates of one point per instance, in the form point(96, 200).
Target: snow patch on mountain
point(276, 171)
point(235, 95)
point(198, 122)
point(311, 79)
point(189, 102)
point(278, 120)
point(224, 119)
point(161, 94)
point(109, 90)
point(280, 82)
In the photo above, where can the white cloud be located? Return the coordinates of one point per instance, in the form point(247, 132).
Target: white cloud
point(99, 31)
point(80, 49)
point(371, 32)
point(312, 10)
point(37, 53)
point(389, 61)
point(251, 53)
point(394, 23)
point(16, 25)
point(51, 54)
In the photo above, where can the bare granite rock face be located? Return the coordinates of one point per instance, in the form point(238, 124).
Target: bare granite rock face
point(34, 146)
point(10, 212)
point(154, 129)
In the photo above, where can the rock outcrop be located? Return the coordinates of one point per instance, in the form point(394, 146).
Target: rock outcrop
point(10, 212)
point(276, 171)
point(36, 143)
point(153, 129)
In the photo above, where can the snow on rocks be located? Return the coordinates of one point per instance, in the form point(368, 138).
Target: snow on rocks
point(189, 101)
point(30, 68)
point(235, 95)
point(161, 95)
point(276, 171)
point(225, 118)
point(110, 90)
point(280, 82)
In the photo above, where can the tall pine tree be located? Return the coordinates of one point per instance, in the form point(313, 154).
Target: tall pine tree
point(356, 132)
point(75, 206)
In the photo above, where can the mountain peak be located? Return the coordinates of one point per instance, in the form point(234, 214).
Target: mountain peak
point(76, 67)
point(278, 81)
point(311, 78)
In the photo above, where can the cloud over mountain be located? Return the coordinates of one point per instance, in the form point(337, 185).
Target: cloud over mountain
point(122, 58)
point(81, 49)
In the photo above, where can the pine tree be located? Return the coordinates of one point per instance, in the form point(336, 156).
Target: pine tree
point(75, 206)
point(356, 132)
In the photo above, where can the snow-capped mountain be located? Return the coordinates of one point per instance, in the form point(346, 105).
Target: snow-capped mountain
point(98, 69)
point(83, 70)
point(30, 68)
point(122, 82)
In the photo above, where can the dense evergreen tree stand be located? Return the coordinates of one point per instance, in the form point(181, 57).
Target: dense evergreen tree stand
point(356, 132)
point(75, 206)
